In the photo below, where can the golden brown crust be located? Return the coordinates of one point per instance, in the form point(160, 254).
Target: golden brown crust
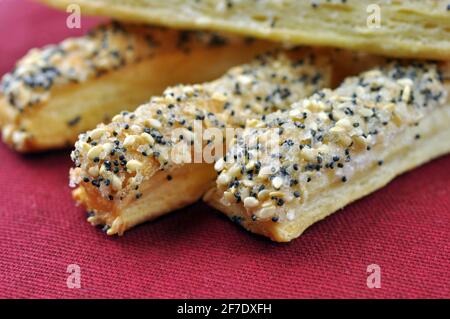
point(335, 138)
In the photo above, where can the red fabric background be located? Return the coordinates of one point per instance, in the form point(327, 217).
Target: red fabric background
point(404, 228)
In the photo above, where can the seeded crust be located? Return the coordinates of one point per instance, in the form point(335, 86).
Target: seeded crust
point(59, 91)
point(335, 147)
point(135, 168)
point(408, 28)
point(146, 182)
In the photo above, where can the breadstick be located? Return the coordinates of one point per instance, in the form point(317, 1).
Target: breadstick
point(407, 28)
point(334, 148)
point(59, 91)
point(134, 169)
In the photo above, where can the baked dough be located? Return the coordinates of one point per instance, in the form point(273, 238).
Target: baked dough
point(135, 168)
point(59, 91)
point(409, 28)
point(124, 174)
point(335, 147)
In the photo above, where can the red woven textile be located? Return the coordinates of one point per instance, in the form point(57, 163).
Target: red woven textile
point(197, 253)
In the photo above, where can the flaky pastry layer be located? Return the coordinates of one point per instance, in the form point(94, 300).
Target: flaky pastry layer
point(408, 28)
